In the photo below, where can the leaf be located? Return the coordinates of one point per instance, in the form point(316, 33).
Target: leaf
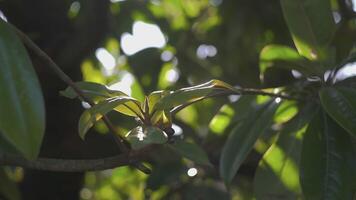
point(93, 114)
point(8, 188)
point(287, 58)
point(94, 91)
point(142, 136)
point(243, 137)
point(311, 24)
point(327, 161)
point(22, 112)
point(191, 151)
point(191, 94)
point(154, 98)
point(340, 104)
point(277, 175)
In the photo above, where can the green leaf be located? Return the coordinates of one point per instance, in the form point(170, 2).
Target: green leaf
point(191, 151)
point(94, 91)
point(277, 174)
point(286, 58)
point(243, 137)
point(327, 161)
point(93, 114)
point(191, 94)
point(340, 104)
point(311, 24)
point(155, 97)
point(22, 112)
point(8, 188)
point(97, 92)
point(142, 136)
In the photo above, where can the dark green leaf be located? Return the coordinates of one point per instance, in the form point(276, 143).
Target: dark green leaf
point(22, 115)
point(94, 91)
point(340, 104)
point(191, 94)
point(277, 175)
point(327, 161)
point(143, 136)
point(191, 151)
point(243, 137)
point(93, 114)
point(311, 24)
point(287, 58)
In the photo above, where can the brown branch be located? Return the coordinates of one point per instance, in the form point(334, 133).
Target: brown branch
point(64, 77)
point(67, 165)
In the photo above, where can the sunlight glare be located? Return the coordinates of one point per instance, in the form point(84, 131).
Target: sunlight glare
point(143, 36)
point(347, 71)
point(172, 75)
point(106, 59)
point(124, 85)
point(354, 5)
point(192, 172)
point(2, 16)
point(177, 130)
point(204, 51)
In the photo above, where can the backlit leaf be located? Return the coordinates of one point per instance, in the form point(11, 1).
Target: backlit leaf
point(22, 114)
point(277, 175)
point(311, 24)
point(94, 91)
point(93, 114)
point(191, 94)
point(8, 188)
point(287, 58)
point(143, 136)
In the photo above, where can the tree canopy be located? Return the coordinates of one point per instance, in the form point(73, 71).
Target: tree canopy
point(177, 99)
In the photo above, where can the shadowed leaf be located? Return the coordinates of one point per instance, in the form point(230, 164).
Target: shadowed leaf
point(327, 161)
point(22, 114)
point(243, 137)
point(340, 104)
point(191, 151)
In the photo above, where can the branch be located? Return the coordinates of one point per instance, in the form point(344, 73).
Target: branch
point(64, 77)
point(65, 165)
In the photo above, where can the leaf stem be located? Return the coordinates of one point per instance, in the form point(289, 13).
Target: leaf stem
point(240, 91)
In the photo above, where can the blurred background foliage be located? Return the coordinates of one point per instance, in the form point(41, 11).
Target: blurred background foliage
point(139, 46)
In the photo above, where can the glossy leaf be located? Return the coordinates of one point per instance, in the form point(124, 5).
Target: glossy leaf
point(327, 161)
point(287, 58)
point(311, 24)
point(94, 91)
point(243, 137)
point(277, 175)
point(191, 94)
point(93, 114)
point(22, 113)
point(143, 136)
point(340, 104)
point(191, 151)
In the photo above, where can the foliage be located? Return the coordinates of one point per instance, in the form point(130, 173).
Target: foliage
point(292, 117)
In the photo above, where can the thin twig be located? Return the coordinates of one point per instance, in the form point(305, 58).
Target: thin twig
point(64, 77)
